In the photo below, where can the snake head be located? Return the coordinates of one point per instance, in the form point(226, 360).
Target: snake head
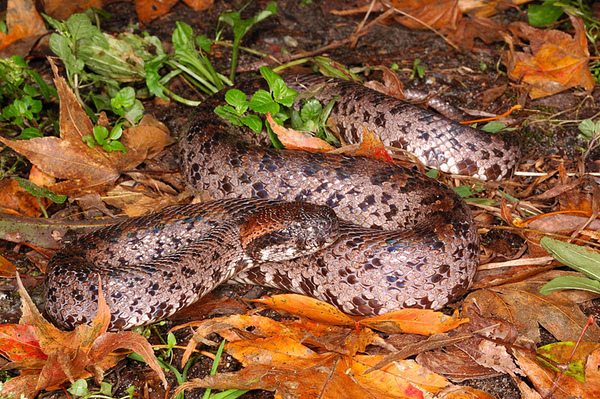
point(287, 230)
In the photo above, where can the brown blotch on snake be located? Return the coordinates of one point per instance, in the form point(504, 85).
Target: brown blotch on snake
point(404, 240)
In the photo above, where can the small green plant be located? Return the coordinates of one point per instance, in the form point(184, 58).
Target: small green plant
point(590, 133)
point(417, 70)
point(23, 90)
point(80, 388)
point(241, 27)
point(278, 102)
point(129, 109)
point(582, 259)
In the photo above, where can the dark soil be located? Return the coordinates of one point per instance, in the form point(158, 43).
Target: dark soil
point(461, 78)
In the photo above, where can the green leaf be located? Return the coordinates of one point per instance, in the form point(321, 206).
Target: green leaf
point(493, 127)
point(587, 127)
point(582, 259)
point(114, 146)
point(60, 46)
point(100, 134)
point(153, 77)
point(253, 122)
point(80, 27)
point(571, 283)
point(106, 388)
point(182, 37)
point(124, 98)
point(79, 388)
point(89, 140)
point(31, 90)
point(463, 191)
point(237, 99)
point(269, 76)
point(433, 173)
point(116, 131)
point(311, 111)
point(136, 112)
point(38, 191)
point(204, 43)
point(281, 93)
point(543, 14)
point(171, 340)
point(228, 113)
point(30, 132)
point(262, 102)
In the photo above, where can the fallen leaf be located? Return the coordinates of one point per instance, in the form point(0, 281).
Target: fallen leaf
point(19, 342)
point(522, 304)
point(85, 169)
point(80, 353)
point(295, 140)
point(7, 268)
point(291, 369)
point(16, 200)
point(199, 5)
point(487, 8)
point(464, 393)
point(469, 29)
point(443, 14)
point(555, 60)
point(546, 379)
point(62, 10)
point(22, 22)
point(371, 146)
point(307, 307)
point(149, 10)
point(416, 321)
point(391, 85)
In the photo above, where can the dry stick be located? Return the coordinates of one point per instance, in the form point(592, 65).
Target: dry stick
point(362, 23)
point(391, 6)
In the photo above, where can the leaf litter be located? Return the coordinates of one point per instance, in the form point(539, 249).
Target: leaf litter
point(322, 352)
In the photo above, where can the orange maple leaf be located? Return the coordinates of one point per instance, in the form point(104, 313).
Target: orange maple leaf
point(71, 354)
point(556, 62)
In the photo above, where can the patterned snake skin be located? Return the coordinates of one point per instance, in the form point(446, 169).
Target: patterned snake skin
point(403, 240)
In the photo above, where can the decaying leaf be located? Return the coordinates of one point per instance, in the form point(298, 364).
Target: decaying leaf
point(278, 355)
point(22, 22)
point(443, 14)
point(522, 304)
point(149, 10)
point(291, 369)
point(62, 10)
point(546, 380)
point(415, 321)
point(295, 140)
point(555, 62)
point(372, 147)
point(85, 169)
point(70, 355)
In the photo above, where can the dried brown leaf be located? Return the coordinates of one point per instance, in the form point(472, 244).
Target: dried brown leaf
point(556, 60)
point(522, 304)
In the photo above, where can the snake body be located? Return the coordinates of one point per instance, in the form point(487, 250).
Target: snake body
point(403, 239)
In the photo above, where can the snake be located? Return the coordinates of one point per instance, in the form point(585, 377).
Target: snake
point(366, 236)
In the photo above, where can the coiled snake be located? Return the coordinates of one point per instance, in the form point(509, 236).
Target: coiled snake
point(403, 239)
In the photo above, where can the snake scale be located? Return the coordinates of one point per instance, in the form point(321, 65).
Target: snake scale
point(402, 239)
